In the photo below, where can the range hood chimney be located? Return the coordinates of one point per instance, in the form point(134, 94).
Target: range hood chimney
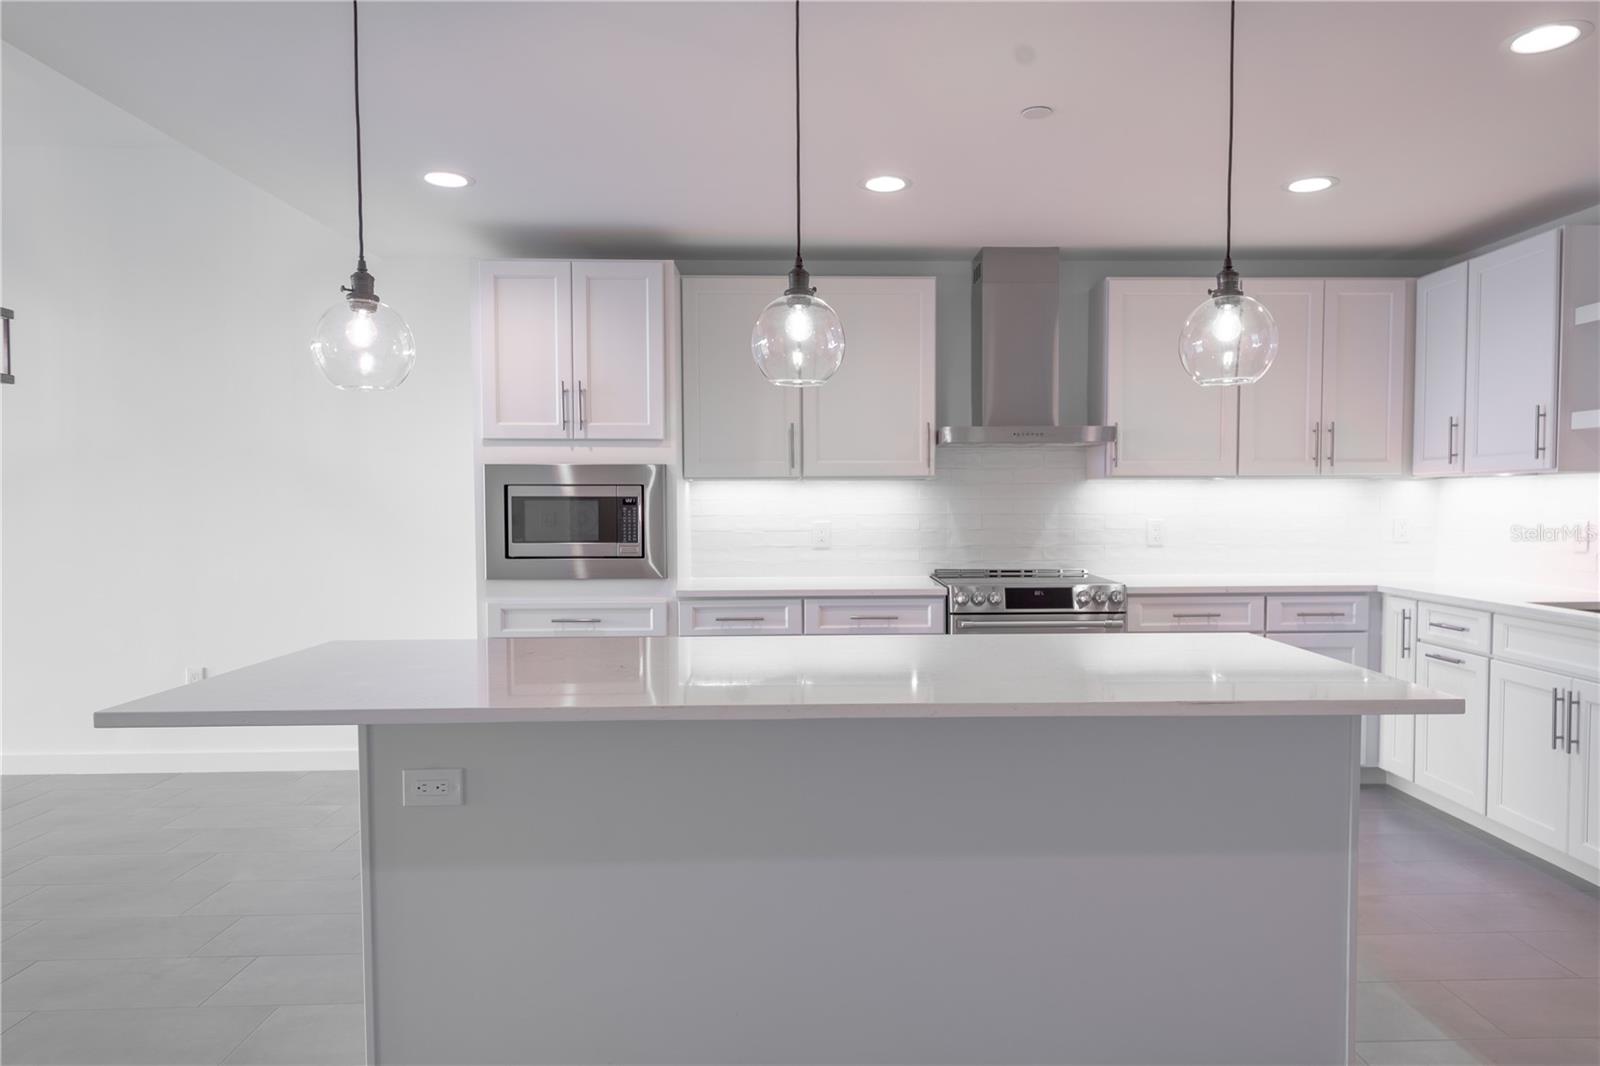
point(1016, 365)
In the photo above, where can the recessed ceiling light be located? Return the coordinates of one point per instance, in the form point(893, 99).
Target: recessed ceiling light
point(447, 179)
point(886, 183)
point(1549, 37)
point(1036, 111)
point(1315, 184)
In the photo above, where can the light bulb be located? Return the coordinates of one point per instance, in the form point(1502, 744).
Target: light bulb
point(362, 344)
point(798, 340)
point(1230, 339)
point(797, 325)
point(1227, 326)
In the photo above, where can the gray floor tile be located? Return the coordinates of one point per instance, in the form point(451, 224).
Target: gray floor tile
point(108, 799)
point(10, 967)
point(11, 927)
point(304, 816)
point(283, 897)
point(1451, 956)
point(282, 866)
point(1536, 1008)
point(348, 814)
point(11, 1017)
point(10, 894)
point(1417, 1053)
point(353, 844)
point(1421, 1010)
point(112, 900)
point(82, 818)
point(292, 795)
point(104, 840)
point(146, 1037)
point(258, 779)
point(1577, 951)
point(82, 782)
point(295, 979)
point(89, 984)
point(115, 938)
point(1537, 1051)
point(287, 934)
point(256, 841)
point(106, 869)
point(345, 778)
point(306, 1036)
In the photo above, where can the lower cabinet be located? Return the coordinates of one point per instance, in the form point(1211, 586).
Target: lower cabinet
point(1583, 812)
point(1538, 774)
point(1346, 647)
point(813, 616)
point(876, 615)
point(738, 618)
point(1397, 732)
point(539, 618)
point(1451, 751)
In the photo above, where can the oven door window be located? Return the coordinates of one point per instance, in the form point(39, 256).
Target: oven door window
point(548, 526)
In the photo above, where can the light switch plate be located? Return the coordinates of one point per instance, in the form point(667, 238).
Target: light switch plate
point(432, 788)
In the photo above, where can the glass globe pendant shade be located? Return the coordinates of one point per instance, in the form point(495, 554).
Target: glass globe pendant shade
point(1230, 339)
point(798, 339)
point(362, 343)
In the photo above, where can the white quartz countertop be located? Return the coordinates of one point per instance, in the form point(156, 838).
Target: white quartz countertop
point(712, 588)
point(726, 678)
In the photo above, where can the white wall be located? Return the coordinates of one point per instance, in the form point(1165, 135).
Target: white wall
point(180, 486)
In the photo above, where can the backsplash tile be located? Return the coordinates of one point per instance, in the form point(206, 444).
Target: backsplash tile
point(1000, 505)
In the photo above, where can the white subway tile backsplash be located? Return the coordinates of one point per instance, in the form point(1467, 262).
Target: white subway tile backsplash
point(1022, 505)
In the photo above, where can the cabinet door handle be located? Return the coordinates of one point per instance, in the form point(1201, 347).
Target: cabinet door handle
point(1330, 444)
point(1316, 445)
point(874, 618)
point(1441, 658)
point(563, 406)
point(1447, 625)
point(1538, 430)
point(1450, 442)
point(1405, 645)
point(739, 618)
point(791, 446)
point(1319, 614)
point(1555, 712)
point(927, 443)
point(1209, 614)
point(1116, 444)
point(583, 419)
point(1574, 715)
point(575, 621)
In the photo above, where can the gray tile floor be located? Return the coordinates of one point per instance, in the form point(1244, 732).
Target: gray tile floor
point(214, 918)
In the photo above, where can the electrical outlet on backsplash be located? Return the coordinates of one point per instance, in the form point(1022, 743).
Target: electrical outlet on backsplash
point(1008, 505)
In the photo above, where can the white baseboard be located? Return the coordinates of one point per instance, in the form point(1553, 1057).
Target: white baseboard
point(172, 762)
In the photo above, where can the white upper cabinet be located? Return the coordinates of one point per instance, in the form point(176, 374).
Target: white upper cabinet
point(572, 350)
point(1366, 362)
point(735, 423)
point(874, 418)
point(1167, 426)
point(619, 350)
point(525, 348)
point(1280, 416)
point(1440, 408)
point(1513, 345)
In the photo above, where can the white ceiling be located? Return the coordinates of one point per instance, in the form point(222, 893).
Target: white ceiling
point(665, 128)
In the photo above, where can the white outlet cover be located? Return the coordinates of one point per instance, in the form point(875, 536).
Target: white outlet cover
point(822, 535)
point(432, 788)
point(1401, 532)
point(1155, 533)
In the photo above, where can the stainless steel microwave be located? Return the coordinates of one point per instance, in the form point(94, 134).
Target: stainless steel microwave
point(575, 520)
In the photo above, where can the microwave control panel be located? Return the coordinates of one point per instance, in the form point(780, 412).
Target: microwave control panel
point(628, 523)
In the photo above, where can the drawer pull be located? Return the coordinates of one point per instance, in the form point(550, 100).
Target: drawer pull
point(1319, 614)
point(739, 618)
point(1442, 658)
point(1555, 710)
point(1448, 625)
point(1574, 712)
point(1207, 614)
point(874, 618)
point(575, 621)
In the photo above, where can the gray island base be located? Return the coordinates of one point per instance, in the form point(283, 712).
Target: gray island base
point(1106, 849)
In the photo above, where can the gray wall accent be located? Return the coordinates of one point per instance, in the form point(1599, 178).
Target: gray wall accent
point(1154, 890)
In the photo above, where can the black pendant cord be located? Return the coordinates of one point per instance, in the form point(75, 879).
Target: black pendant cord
point(1227, 256)
point(355, 48)
point(799, 263)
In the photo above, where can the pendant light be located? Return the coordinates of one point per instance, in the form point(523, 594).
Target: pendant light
point(798, 340)
point(361, 342)
point(1230, 339)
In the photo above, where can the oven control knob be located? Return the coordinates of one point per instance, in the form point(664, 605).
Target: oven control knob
point(1082, 598)
point(1116, 595)
point(1099, 595)
point(961, 599)
point(994, 599)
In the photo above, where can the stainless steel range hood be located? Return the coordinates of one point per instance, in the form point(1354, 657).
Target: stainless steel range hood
point(1016, 306)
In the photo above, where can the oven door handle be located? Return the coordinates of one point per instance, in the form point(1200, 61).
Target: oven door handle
point(1053, 625)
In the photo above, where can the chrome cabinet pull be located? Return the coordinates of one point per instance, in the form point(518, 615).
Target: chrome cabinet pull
point(1116, 444)
point(1319, 614)
point(739, 618)
point(1538, 430)
point(1450, 460)
point(1316, 445)
point(563, 406)
point(1574, 715)
point(874, 618)
point(1405, 646)
point(1555, 711)
point(1330, 444)
point(1446, 625)
point(1441, 658)
point(575, 621)
point(1191, 614)
point(791, 445)
point(583, 420)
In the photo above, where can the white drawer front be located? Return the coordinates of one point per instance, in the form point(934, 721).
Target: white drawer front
point(738, 618)
point(1549, 645)
point(875, 615)
point(1345, 612)
point(531, 618)
point(1207, 614)
point(1454, 627)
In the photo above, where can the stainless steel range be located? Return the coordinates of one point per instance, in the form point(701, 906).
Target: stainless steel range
point(1032, 600)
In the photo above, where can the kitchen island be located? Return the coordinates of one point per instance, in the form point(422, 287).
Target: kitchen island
point(920, 849)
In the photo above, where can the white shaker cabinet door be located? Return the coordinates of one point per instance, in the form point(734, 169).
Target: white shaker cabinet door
point(1397, 732)
point(1529, 767)
point(525, 348)
point(1280, 416)
point(1366, 364)
point(1583, 818)
point(1346, 647)
point(736, 424)
point(874, 418)
point(1167, 426)
point(1452, 750)
point(619, 350)
point(1513, 341)
point(1439, 409)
